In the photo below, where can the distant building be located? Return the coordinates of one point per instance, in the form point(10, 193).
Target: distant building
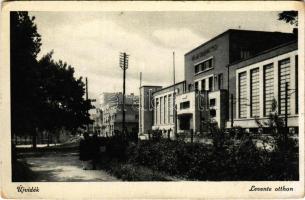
point(210, 72)
point(111, 113)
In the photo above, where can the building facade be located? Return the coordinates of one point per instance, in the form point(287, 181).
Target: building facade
point(111, 109)
point(265, 80)
point(212, 71)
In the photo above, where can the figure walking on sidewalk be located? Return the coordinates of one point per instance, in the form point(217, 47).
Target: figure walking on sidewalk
point(85, 151)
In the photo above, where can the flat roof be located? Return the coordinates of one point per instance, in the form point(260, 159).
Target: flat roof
point(151, 86)
point(226, 32)
point(169, 86)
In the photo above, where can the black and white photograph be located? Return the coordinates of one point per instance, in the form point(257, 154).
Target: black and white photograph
point(155, 96)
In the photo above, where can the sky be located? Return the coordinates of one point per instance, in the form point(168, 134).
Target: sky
point(92, 41)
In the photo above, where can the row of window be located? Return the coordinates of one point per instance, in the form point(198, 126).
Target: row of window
point(212, 83)
point(204, 66)
point(284, 81)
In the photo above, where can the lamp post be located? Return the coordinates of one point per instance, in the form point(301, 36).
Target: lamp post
point(124, 66)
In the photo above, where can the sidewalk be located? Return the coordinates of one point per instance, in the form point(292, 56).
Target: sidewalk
point(64, 167)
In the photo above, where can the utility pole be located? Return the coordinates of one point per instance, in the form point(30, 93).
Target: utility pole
point(174, 97)
point(124, 66)
point(140, 105)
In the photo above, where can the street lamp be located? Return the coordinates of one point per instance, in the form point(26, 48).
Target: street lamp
point(124, 66)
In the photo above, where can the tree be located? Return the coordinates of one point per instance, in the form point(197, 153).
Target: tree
point(64, 102)
point(25, 44)
point(290, 17)
point(45, 95)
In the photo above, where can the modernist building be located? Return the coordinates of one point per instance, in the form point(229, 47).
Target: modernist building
point(210, 78)
point(111, 110)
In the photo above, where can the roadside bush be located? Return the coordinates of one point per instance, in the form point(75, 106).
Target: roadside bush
point(232, 156)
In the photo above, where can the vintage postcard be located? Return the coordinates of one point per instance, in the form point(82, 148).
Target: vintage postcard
point(143, 100)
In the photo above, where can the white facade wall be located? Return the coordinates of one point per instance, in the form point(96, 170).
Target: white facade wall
point(249, 121)
point(163, 114)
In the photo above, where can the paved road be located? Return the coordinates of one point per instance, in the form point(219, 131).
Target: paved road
point(64, 167)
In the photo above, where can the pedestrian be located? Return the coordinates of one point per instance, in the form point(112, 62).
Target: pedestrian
point(85, 151)
point(95, 147)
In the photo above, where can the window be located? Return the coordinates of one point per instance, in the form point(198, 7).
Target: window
point(203, 85)
point(150, 99)
point(157, 109)
point(203, 66)
point(220, 81)
point(242, 94)
point(212, 102)
point(184, 105)
point(170, 109)
point(296, 85)
point(165, 110)
point(268, 88)
point(215, 81)
point(190, 87)
point(284, 77)
point(212, 113)
point(196, 86)
point(254, 92)
point(211, 84)
point(197, 68)
point(161, 110)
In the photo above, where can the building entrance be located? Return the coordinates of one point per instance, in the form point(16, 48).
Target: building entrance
point(185, 121)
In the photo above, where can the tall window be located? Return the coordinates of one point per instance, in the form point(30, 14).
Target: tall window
point(268, 88)
point(156, 113)
point(197, 68)
point(170, 110)
point(284, 77)
point(161, 110)
point(220, 81)
point(150, 99)
point(165, 110)
point(242, 94)
point(211, 84)
point(203, 84)
point(296, 85)
point(196, 86)
point(254, 92)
